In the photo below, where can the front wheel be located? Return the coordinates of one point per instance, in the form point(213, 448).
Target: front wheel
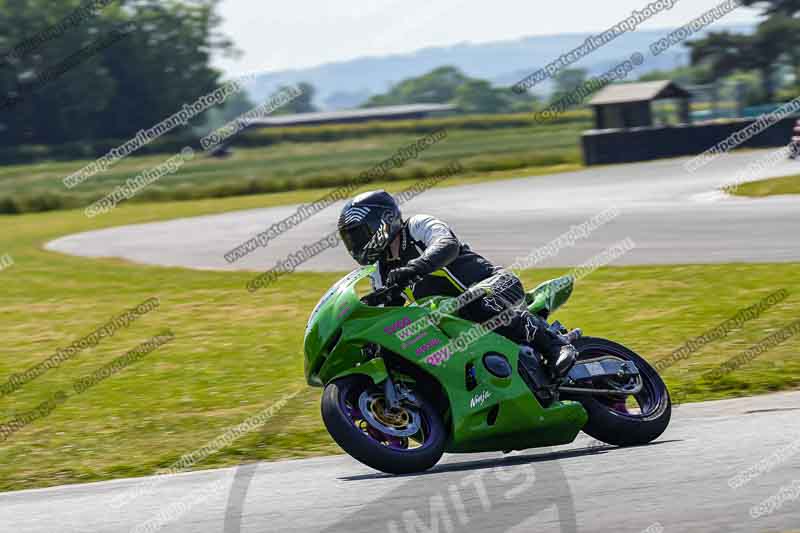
point(624, 420)
point(408, 439)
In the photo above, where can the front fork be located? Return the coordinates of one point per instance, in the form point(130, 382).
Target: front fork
point(396, 392)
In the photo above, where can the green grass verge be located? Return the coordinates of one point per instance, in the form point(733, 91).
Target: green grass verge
point(291, 166)
point(235, 353)
point(770, 187)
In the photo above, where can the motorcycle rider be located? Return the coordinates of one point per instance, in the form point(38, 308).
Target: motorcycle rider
point(424, 256)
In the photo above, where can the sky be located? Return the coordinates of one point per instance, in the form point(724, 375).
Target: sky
point(282, 35)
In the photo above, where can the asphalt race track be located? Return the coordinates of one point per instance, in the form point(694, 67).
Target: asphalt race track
point(680, 483)
point(672, 217)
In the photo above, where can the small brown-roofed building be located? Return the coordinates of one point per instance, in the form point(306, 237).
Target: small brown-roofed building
point(629, 105)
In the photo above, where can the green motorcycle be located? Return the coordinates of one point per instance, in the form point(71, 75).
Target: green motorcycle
point(403, 385)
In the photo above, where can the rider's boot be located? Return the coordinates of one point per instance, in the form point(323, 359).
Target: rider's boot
point(562, 358)
point(564, 361)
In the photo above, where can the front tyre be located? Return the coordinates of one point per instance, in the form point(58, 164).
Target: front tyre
point(401, 441)
point(620, 420)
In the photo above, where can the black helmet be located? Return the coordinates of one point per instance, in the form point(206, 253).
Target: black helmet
point(368, 223)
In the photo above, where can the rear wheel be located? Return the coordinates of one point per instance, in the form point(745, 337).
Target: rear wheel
point(624, 420)
point(410, 438)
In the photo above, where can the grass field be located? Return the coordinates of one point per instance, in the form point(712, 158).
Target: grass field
point(291, 166)
point(236, 353)
point(770, 187)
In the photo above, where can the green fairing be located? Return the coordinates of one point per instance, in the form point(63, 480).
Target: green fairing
point(341, 325)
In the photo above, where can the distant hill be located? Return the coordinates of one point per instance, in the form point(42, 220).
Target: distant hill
point(349, 83)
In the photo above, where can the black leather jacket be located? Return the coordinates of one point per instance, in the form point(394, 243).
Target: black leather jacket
point(449, 267)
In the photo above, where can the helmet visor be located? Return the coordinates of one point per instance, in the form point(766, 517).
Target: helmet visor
point(363, 240)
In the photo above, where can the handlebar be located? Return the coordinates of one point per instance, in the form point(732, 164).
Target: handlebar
point(382, 296)
point(386, 294)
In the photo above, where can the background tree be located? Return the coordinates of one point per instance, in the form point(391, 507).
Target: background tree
point(774, 47)
point(301, 104)
point(436, 87)
point(449, 85)
point(722, 53)
point(112, 93)
point(478, 96)
point(566, 81)
point(775, 7)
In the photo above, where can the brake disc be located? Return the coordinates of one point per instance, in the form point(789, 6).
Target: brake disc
point(401, 422)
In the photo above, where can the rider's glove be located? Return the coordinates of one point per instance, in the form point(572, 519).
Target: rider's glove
point(401, 276)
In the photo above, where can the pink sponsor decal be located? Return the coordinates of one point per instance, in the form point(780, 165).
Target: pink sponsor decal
point(428, 346)
point(400, 324)
point(437, 358)
point(415, 340)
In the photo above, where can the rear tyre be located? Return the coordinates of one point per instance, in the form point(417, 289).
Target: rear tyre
point(403, 441)
point(612, 419)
